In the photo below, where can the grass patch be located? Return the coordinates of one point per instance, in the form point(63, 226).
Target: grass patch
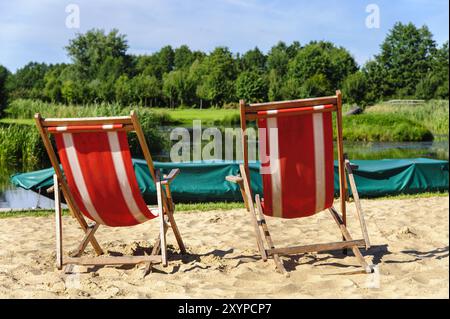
point(413, 196)
point(203, 207)
point(21, 147)
point(433, 114)
point(212, 116)
point(22, 111)
point(181, 207)
point(25, 109)
point(17, 121)
point(379, 127)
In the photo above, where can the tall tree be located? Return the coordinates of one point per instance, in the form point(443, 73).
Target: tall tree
point(28, 82)
point(406, 55)
point(183, 57)
point(253, 60)
point(251, 86)
point(94, 53)
point(219, 72)
point(4, 74)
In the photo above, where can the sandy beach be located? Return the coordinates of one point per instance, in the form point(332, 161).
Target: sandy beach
point(409, 248)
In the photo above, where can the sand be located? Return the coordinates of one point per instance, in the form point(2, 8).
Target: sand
point(409, 238)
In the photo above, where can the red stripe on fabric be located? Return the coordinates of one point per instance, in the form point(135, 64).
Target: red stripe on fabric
point(296, 149)
point(74, 128)
point(69, 175)
point(126, 155)
point(97, 166)
point(266, 178)
point(297, 164)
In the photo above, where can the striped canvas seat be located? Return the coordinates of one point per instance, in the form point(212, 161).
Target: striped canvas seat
point(297, 164)
point(100, 174)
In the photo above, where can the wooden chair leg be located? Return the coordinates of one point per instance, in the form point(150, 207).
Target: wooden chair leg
point(155, 251)
point(87, 238)
point(265, 230)
point(259, 240)
point(173, 224)
point(359, 210)
point(348, 237)
point(162, 225)
point(58, 224)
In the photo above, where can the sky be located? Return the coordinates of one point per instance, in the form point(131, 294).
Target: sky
point(38, 30)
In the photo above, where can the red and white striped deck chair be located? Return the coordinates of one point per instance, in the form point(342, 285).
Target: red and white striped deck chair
point(297, 168)
point(98, 183)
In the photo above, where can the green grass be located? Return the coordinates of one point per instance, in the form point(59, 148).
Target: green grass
point(20, 147)
point(207, 116)
point(203, 207)
point(433, 114)
point(22, 111)
point(17, 121)
point(413, 196)
point(382, 127)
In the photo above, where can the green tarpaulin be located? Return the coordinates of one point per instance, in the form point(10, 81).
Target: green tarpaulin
point(205, 181)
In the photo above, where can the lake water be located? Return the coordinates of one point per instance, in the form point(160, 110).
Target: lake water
point(11, 197)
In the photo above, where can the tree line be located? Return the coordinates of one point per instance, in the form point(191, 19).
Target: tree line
point(409, 65)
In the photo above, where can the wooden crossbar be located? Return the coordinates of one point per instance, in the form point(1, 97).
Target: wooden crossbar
point(298, 111)
point(86, 121)
point(111, 260)
point(316, 247)
point(125, 128)
point(256, 107)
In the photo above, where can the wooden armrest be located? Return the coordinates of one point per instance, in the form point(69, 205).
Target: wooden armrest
point(234, 179)
point(169, 178)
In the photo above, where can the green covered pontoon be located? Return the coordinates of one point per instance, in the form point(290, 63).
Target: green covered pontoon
point(205, 181)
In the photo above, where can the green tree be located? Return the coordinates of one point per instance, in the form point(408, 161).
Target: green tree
point(4, 74)
point(315, 86)
point(251, 86)
point(28, 82)
point(219, 72)
point(253, 60)
point(146, 89)
point(354, 88)
point(166, 58)
point(123, 90)
point(278, 59)
point(96, 54)
point(406, 55)
point(322, 58)
point(183, 57)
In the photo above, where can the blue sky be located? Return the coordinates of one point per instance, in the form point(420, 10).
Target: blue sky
point(35, 30)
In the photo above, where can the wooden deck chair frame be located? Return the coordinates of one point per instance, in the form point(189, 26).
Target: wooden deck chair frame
point(249, 112)
point(165, 204)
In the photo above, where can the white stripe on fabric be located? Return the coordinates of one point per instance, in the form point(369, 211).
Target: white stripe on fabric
point(108, 126)
point(78, 176)
point(122, 177)
point(319, 107)
point(272, 112)
point(275, 170)
point(61, 128)
point(319, 159)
